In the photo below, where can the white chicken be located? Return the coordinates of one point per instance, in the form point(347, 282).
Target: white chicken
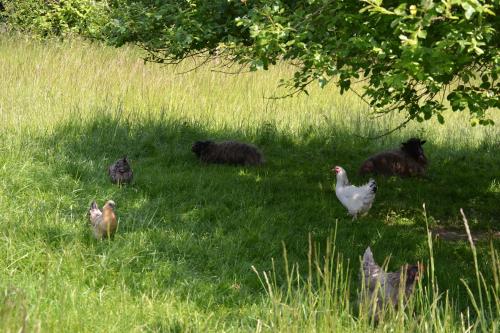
point(357, 200)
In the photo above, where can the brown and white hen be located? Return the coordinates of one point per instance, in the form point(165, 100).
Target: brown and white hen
point(103, 223)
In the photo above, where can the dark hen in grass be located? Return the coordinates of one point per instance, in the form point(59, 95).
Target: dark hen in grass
point(120, 172)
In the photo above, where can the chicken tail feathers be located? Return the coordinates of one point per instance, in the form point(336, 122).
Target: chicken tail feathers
point(368, 256)
point(373, 185)
point(94, 213)
point(369, 265)
point(94, 210)
point(93, 205)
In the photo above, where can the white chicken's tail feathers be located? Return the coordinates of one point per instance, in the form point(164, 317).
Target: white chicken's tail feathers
point(372, 184)
point(94, 212)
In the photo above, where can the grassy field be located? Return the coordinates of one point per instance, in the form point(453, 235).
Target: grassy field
point(190, 234)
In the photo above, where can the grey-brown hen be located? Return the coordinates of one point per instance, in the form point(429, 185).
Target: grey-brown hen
point(121, 172)
point(385, 288)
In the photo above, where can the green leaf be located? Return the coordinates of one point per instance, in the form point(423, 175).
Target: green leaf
point(422, 34)
point(257, 65)
point(322, 81)
point(485, 85)
point(401, 9)
point(440, 118)
point(478, 50)
point(469, 10)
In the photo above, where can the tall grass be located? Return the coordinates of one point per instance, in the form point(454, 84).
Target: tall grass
point(190, 234)
point(75, 77)
point(318, 300)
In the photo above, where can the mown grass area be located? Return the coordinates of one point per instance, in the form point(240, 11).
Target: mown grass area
point(190, 234)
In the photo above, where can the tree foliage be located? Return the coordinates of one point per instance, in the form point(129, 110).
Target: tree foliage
point(412, 56)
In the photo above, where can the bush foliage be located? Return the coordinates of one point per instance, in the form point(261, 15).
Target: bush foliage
point(46, 18)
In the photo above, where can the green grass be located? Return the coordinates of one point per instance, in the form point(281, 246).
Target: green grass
point(190, 234)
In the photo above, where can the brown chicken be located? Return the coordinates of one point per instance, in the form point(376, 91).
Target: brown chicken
point(385, 288)
point(103, 223)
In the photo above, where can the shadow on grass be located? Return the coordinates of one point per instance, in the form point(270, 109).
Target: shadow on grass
point(198, 229)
